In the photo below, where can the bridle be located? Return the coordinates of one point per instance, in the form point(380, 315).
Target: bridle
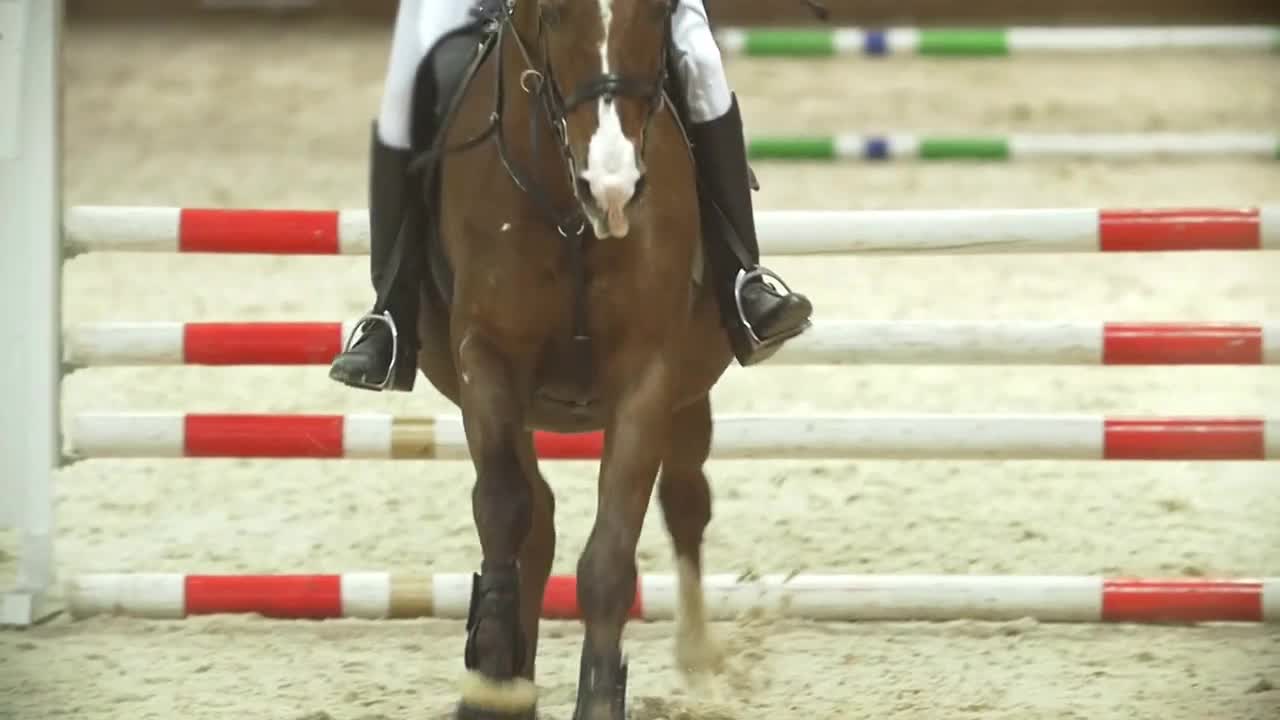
point(539, 81)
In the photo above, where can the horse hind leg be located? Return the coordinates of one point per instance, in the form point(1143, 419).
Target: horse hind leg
point(685, 497)
point(537, 553)
point(498, 684)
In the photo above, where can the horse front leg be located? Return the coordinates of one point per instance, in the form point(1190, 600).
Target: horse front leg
point(636, 438)
point(497, 684)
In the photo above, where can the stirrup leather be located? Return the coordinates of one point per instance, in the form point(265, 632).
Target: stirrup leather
point(385, 318)
point(740, 281)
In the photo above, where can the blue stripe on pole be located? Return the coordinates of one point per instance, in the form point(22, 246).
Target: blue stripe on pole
point(876, 42)
point(876, 148)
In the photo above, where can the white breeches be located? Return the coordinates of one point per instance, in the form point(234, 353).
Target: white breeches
point(421, 23)
point(698, 61)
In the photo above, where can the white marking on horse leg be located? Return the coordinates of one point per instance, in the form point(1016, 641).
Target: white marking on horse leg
point(697, 653)
point(500, 696)
point(612, 171)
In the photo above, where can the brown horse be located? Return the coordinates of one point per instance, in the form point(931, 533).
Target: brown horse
point(537, 325)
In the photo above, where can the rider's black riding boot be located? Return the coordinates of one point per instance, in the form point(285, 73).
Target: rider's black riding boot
point(759, 316)
point(367, 361)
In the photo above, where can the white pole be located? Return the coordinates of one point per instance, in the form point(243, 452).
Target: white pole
point(30, 279)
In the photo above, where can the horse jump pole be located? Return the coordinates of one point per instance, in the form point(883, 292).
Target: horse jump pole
point(873, 147)
point(381, 596)
point(777, 437)
point(827, 343)
point(782, 232)
point(991, 42)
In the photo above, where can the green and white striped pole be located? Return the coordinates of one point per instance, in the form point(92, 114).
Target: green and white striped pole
point(907, 146)
point(990, 42)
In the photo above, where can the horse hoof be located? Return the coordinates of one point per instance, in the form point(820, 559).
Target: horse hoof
point(487, 699)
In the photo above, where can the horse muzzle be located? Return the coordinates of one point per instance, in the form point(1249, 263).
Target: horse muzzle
point(607, 199)
point(608, 209)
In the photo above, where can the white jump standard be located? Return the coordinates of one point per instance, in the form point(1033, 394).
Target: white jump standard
point(30, 297)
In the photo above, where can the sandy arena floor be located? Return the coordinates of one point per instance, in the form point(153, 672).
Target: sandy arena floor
point(275, 114)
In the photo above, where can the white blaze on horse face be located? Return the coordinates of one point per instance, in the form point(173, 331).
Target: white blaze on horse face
point(612, 171)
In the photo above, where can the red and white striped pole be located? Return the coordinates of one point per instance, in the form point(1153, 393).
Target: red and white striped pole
point(798, 232)
point(832, 437)
point(377, 595)
point(836, 343)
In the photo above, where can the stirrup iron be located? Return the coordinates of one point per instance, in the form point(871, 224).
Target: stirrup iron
point(385, 318)
point(740, 281)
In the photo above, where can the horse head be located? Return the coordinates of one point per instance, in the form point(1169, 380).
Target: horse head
point(605, 64)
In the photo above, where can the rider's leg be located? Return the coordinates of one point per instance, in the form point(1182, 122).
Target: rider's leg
point(771, 316)
point(366, 364)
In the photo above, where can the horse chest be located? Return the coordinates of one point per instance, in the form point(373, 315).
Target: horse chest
point(513, 279)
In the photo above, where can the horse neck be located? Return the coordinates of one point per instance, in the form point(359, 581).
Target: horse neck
point(525, 20)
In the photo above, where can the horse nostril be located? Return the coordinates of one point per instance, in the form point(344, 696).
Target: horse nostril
point(583, 188)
